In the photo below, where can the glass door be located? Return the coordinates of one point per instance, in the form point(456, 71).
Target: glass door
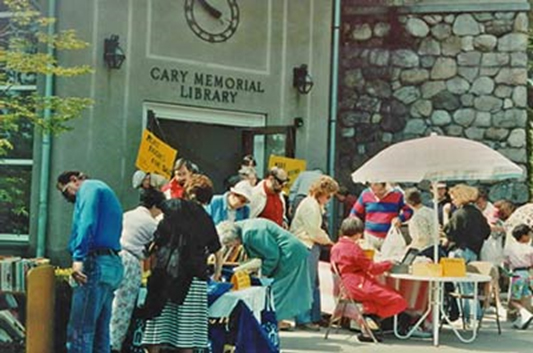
point(272, 140)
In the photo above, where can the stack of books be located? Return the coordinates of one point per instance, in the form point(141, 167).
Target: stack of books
point(13, 270)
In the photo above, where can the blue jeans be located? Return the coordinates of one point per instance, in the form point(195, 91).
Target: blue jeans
point(90, 313)
point(313, 315)
point(467, 288)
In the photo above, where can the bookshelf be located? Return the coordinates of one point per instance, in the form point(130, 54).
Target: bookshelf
point(39, 308)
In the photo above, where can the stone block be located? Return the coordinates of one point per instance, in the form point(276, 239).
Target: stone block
point(464, 117)
point(431, 88)
point(452, 46)
point(513, 77)
point(407, 94)
point(417, 27)
point(472, 58)
point(482, 86)
point(441, 118)
point(513, 42)
point(485, 42)
point(457, 85)
point(414, 76)
point(361, 32)
point(466, 25)
point(444, 68)
point(488, 104)
point(441, 31)
point(405, 58)
point(517, 138)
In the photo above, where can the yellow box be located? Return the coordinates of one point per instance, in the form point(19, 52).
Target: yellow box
point(427, 269)
point(369, 253)
point(453, 267)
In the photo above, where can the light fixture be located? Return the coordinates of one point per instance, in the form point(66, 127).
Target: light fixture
point(301, 80)
point(113, 54)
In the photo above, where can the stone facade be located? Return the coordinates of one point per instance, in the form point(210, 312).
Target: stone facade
point(459, 74)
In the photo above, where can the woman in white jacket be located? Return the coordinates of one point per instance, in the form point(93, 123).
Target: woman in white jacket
point(307, 226)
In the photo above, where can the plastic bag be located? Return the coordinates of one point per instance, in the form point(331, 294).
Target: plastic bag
point(492, 250)
point(393, 248)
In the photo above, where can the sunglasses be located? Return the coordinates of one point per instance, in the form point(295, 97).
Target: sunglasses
point(280, 181)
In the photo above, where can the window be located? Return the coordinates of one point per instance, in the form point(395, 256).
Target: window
point(16, 165)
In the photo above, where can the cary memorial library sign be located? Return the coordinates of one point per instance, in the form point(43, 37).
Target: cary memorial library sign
point(201, 86)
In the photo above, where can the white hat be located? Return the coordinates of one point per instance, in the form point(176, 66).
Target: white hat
point(243, 188)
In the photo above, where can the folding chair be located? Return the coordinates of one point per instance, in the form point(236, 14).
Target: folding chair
point(342, 300)
point(490, 292)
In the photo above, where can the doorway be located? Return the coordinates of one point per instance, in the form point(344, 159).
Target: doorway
point(217, 140)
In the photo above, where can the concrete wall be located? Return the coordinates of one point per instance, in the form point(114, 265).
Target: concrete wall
point(451, 67)
point(163, 58)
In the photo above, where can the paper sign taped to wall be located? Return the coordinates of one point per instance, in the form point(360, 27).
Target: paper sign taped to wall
point(292, 166)
point(155, 156)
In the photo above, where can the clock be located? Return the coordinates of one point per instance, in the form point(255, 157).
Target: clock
point(214, 21)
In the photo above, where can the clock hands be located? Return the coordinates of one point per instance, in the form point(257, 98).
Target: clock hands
point(210, 9)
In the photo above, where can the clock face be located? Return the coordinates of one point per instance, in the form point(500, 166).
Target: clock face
point(214, 21)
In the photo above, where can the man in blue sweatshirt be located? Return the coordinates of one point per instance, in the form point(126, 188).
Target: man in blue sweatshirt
point(96, 267)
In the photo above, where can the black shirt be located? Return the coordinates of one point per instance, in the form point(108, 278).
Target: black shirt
point(468, 228)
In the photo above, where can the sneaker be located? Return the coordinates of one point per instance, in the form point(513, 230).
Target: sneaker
point(309, 327)
point(372, 325)
point(420, 333)
point(285, 326)
point(523, 320)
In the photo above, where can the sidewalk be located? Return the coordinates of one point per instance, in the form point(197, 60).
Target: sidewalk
point(488, 340)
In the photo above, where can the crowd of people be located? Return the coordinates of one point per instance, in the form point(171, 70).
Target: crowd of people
point(180, 223)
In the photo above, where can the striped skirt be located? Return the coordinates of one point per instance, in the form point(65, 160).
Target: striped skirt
point(181, 326)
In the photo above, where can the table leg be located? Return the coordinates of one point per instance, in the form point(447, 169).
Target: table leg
point(445, 318)
point(436, 300)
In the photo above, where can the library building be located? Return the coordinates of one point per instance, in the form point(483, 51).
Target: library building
point(327, 82)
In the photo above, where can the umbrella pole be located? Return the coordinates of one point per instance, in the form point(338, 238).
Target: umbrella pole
point(436, 222)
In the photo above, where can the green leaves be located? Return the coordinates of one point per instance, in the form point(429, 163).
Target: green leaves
point(26, 54)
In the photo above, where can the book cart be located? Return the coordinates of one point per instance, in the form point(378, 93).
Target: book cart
point(32, 321)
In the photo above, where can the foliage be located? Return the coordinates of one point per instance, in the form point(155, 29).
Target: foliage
point(27, 53)
point(21, 56)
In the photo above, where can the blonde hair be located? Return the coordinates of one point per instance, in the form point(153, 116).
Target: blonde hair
point(326, 185)
point(464, 194)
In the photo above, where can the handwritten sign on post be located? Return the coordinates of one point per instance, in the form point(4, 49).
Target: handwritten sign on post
point(155, 156)
point(292, 166)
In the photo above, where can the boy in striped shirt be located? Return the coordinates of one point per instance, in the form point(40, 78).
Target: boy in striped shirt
point(380, 207)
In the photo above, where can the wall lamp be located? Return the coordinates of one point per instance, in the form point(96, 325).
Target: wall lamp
point(113, 54)
point(301, 80)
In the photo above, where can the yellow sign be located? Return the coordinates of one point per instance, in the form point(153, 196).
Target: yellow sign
point(292, 166)
point(155, 156)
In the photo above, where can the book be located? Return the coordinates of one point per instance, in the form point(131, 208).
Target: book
point(11, 325)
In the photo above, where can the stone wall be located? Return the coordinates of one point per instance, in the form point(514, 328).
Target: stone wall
point(459, 74)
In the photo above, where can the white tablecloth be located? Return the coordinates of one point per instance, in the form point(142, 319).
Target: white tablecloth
point(254, 297)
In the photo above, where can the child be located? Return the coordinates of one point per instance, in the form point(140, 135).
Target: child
point(519, 256)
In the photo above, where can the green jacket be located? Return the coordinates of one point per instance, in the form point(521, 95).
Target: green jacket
point(279, 250)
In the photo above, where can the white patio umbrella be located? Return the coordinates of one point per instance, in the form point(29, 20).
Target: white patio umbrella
point(437, 158)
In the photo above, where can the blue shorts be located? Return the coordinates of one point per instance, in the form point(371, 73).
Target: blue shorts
point(521, 285)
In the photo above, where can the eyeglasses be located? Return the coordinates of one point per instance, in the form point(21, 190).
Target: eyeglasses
point(64, 190)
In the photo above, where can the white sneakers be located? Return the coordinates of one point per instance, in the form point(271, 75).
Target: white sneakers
point(523, 320)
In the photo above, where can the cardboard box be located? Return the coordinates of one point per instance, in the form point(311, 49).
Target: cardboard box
point(427, 269)
point(453, 267)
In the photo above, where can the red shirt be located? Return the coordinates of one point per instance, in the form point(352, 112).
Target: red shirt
point(273, 208)
point(176, 190)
